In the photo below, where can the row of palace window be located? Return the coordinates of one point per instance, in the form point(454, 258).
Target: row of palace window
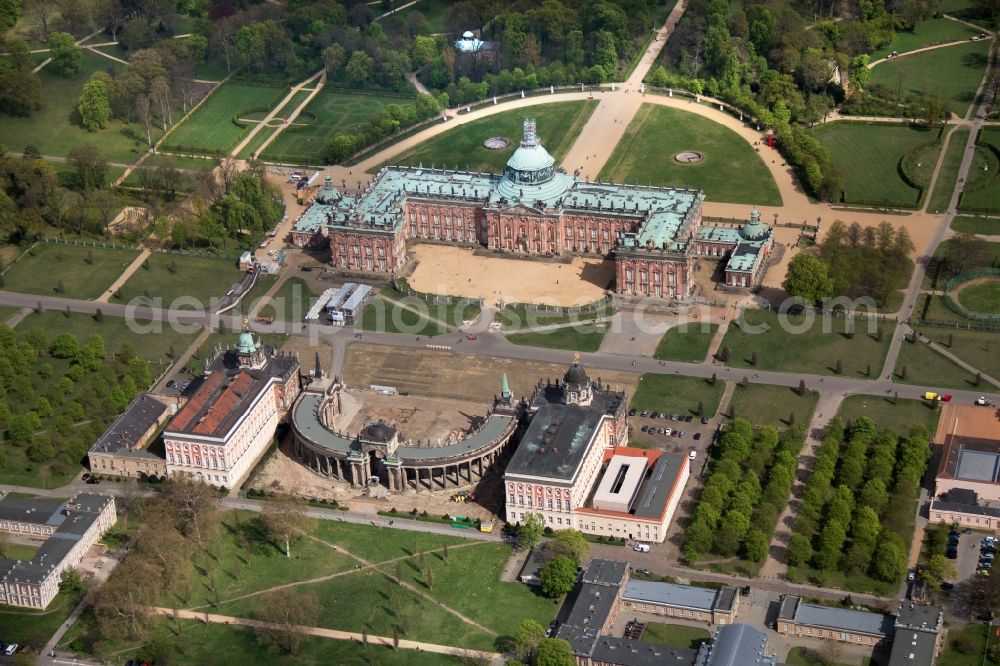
point(644, 277)
point(557, 521)
point(520, 501)
point(211, 461)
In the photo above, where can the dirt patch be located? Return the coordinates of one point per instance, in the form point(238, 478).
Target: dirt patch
point(439, 374)
point(459, 272)
point(415, 417)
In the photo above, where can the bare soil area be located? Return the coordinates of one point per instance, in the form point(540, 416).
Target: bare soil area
point(459, 272)
point(439, 374)
point(416, 418)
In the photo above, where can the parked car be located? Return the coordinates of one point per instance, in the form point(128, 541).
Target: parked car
point(688, 418)
point(704, 420)
point(631, 412)
point(644, 413)
point(696, 436)
point(654, 415)
point(667, 431)
point(692, 454)
point(641, 547)
point(10, 649)
point(910, 577)
point(644, 428)
point(745, 591)
point(551, 631)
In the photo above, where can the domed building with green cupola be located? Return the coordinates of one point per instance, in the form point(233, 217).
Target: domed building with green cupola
point(533, 208)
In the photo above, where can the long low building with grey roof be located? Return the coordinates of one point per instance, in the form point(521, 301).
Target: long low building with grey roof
point(533, 208)
point(123, 448)
point(704, 604)
point(68, 528)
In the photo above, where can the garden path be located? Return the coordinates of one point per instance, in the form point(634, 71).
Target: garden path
point(776, 564)
point(123, 278)
point(79, 42)
point(922, 49)
point(321, 75)
point(335, 634)
point(290, 120)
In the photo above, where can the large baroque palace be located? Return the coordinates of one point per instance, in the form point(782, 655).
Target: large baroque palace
point(653, 233)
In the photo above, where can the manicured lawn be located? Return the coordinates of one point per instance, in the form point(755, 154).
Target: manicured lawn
point(947, 177)
point(763, 404)
point(800, 347)
point(170, 277)
point(433, 10)
point(675, 635)
point(378, 544)
point(558, 126)
point(585, 338)
point(935, 278)
point(869, 156)
point(211, 127)
point(35, 627)
point(951, 73)
point(984, 195)
point(987, 226)
point(882, 410)
point(85, 272)
point(646, 155)
point(229, 570)
point(19, 551)
point(290, 302)
point(801, 656)
point(327, 114)
point(972, 634)
point(982, 297)
point(191, 643)
point(676, 394)
point(518, 317)
point(926, 367)
point(469, 582)
point(151, 341)
point(385, 316)
point(367, 600)
point(977, 348)
point(686, 343)
point(55, 128)
point(839, 580)
point(931, 31)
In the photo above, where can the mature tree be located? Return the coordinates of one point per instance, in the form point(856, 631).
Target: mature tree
point(192, 504)
point(555, 652)
point(890, 559)
point(558, 576)
point(570, 543)
point(284, 519)
point(20, 91)
point(67, 57)
point(334, 57)
point(10, 10)
point(530, 531)
point(359, 68)
point(756, 546)
point(807, 278)
point(799, 549)
point(282, 611)
point(527, 637)
point(938, 569)
point(935, 110)
point(122, 605)
point(40, 13)
point(90, 170)
point(95, 102)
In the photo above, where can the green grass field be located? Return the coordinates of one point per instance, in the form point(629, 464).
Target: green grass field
point(869, 154)
point(925, 367)
point(986, 195)
point(646, 155)
point(935, 279)
point(976, 348)
point(987, 226)
point(584, 338)
point(789, 349)
point(763, 404)
point(518, 317)
point(385, 316)
point(211, 127)
point(290, 302)
point(888, 412)
point(19, 551)
point(558, 126)
point(686, 343)
point(85, 272)
point(948, 176)
point(151, 341)
point(433, 10)
point(981, 297)
point(801, 656)
point(170, 277)
point(330, 113)
point(675, 394)
point(675, 635)
point(55, 128)
point(951, 73)
point(972, 634)
point(931, 31)
point(264, 134)
point(35, 627)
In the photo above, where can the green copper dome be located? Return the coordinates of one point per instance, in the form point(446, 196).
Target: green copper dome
point(530, 163)
point(246, 343)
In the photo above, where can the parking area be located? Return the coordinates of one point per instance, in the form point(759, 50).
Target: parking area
point(969, 553)
point(672, 432)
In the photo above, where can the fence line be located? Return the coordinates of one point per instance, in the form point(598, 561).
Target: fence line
point(953, 305)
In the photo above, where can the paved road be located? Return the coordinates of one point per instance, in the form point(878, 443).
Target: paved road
point(492, 343)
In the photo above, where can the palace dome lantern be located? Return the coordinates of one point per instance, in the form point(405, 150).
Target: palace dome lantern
point(754, 229)
point(468, 43)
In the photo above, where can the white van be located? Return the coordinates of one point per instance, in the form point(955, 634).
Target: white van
point(641, 548)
